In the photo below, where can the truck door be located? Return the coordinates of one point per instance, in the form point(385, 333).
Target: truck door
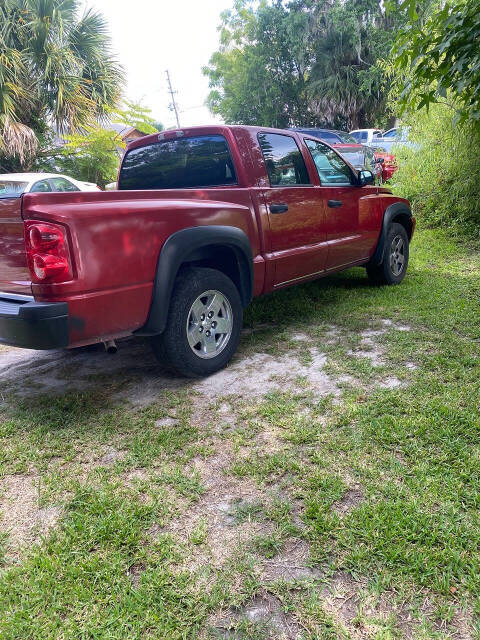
point(296, 215)
point(348, 240)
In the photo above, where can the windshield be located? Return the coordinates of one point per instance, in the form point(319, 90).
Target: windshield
point(346, 137)
point(328, 136)
point(12, 188)
point(354, 155)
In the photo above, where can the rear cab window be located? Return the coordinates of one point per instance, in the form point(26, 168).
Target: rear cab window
point(283, 160)
point(179, 163)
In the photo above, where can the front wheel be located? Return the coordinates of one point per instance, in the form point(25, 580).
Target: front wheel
point(393, 267)
point(204, 323)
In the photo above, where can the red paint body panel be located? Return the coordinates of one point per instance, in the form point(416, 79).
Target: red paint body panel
point(115, 238)
point(14, 273)
point(389, 165)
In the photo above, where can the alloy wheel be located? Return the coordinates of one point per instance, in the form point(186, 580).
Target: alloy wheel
point(209, 324)
point(397, 255)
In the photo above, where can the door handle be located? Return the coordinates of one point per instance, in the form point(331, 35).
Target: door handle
point(335, 203)
point(281, 207)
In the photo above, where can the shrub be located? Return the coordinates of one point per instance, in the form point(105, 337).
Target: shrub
point(440, 174)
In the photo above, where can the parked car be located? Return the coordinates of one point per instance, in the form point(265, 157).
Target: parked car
point(387, 162)
point(203, 220)
point(391, 134)
point(396, 136)
point(18, 183)
point(361, 157)
point(332, 136)
point(366, 136)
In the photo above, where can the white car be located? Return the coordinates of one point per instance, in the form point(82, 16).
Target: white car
point(397, 136)
point(366, 136)
point(14, 184)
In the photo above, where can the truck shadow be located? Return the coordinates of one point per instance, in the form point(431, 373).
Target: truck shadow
point(135, 374)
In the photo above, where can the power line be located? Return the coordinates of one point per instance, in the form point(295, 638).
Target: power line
point(172, 93)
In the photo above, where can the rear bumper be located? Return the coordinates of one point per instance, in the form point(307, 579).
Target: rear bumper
point(33, 325)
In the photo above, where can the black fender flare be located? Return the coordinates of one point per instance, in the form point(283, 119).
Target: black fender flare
point(184, 246)
point(391, 212)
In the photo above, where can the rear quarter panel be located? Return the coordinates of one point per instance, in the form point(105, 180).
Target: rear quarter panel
point(116, 238)
point(14, 273)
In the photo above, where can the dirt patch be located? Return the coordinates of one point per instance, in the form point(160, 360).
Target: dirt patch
point(352, 499)
point(134, 374)
point(135, 573)
point(208, 527)
point(293, 563)
point(258, 374)
point(21, 517)
point(369, 348)
point(110, 457)
point(226, 415)
point(264, 613)
point(300, 337)
point(341, 599)
point(141, 377)
point(391, 383)
point(364, 614)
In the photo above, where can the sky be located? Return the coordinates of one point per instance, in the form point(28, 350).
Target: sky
point(150, 36)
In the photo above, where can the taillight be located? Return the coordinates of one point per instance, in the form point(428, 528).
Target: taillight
point(47, 250)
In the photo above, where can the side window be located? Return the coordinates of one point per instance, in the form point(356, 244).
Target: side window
point(42, 186)
point(284, 162)
point(332, 170)
point(390, 134)
point(61, 184)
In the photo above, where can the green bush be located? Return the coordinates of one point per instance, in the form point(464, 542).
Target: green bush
point(440, 174)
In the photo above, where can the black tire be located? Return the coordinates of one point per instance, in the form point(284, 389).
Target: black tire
point(172, 347)
point(388, 271)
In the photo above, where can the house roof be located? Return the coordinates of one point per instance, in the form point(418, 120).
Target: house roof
point(119, 128)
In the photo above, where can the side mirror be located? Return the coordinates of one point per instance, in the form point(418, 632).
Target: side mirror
point(365, 177)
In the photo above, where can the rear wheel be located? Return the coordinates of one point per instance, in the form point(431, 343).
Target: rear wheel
point(393, 267)
point(204, 323)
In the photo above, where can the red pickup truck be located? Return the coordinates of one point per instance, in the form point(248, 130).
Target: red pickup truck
point(203, 220)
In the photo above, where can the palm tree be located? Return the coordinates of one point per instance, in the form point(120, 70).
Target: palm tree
point(55, 70)
point(346, 84)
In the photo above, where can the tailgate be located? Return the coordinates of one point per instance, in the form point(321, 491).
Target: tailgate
point(14, 273)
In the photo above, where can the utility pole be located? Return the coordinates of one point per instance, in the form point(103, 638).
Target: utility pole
point(172, 93)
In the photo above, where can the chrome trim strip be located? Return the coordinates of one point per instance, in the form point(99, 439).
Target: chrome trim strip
point(308, 275)
point(16, 296)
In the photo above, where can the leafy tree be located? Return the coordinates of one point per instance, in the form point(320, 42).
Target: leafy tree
point(306, 62)
point(94, 153)
point(258, 76)
point(93, 156)
point(54, 67)
point(442, 55)
point(352, 41)
point(136, 115)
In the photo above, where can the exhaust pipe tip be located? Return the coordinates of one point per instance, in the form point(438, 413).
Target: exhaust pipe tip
point(110, 346)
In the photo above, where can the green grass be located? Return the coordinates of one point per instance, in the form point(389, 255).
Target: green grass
point(122, 561)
